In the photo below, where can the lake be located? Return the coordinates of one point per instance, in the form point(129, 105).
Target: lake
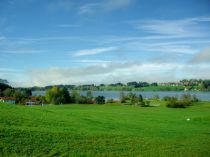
point(205, 96)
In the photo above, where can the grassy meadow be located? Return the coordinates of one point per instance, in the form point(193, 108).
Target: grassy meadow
point(105, 130)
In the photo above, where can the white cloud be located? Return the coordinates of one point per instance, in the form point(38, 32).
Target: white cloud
point(92, 61)
point(94, 51)
point(161, 47)
point(104, 6)
point(12, 75)
point(164, 27)
point(178, 28)
point(201, 57)
point(89, 8)
point(113, 72)
point(22, 51)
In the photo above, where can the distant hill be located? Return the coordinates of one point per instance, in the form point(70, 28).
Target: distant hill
point(4, 84)
point(4, 81)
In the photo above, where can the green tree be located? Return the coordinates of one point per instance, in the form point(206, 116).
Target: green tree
point(100, 100)
point(4, 86)
point(133, 98)
point(57, 95)
point(65, 93)
point(186, 99)
point(140, 98)
point(19, 97)
point(89, 97)
point(4, 81)
point(89, 94)
point(122, 97)
point(75, 96)
point(195, 98)
point(9, 92)
point(156, 97)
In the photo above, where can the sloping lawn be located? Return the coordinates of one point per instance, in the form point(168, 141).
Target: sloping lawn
point(104, 130)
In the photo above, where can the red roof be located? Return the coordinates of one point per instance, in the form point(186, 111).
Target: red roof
point(7, 98)
point(32, 99)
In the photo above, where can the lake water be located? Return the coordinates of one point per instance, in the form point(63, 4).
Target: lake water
point(205, 96)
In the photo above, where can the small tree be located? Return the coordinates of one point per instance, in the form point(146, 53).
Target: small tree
point(133, 99)
point(156, 97)
point(100, 100)
point(173, 102)
point(19, 97)
point(195, 98)
point(186, 99)
point(122, 97)
point(89, 97)
point(75, 96)
point(147, 103)
point(65, 93)
point(140, 98)
point(57, 95)
point(9, 92)
point(89, 94)
point(109, 101)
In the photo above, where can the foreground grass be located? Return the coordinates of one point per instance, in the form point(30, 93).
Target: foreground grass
point(106, 130)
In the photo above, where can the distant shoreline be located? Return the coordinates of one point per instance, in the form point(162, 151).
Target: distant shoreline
point(204, 96)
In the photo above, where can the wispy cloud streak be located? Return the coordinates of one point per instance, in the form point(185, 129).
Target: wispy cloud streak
point(94, 51)
point(181, 27)
point(103, 6)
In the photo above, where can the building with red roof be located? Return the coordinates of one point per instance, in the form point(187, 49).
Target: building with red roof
point(7, 100)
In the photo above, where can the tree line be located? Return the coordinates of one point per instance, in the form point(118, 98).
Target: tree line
point(20, 95)
point(61, 95)
point(191, 84)
point(54, 95)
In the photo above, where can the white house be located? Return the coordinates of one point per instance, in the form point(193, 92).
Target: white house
point(7, 100)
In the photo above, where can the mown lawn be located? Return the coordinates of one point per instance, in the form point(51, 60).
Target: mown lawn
point(104, 130)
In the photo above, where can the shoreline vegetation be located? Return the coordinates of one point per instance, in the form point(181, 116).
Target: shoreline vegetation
point(61, 95)
point(183, 85)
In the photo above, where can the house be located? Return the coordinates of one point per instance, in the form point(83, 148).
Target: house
point(7, 100)
point(32, 101)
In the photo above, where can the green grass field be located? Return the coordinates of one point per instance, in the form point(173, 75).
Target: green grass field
point(104, 130)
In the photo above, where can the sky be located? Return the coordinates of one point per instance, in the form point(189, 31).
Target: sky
point(50, 42)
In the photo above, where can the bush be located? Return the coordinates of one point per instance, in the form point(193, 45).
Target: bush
point(110, 101)
point(81, 100)
point(185, 100)
point(147, 103)
point(176, 104)
point(156, 97)
point(194, 98)
point(122, 97)
point(142, 104)
point(100, 100)
point(166, 98)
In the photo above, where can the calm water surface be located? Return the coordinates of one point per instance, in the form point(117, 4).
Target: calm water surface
point(205, 96)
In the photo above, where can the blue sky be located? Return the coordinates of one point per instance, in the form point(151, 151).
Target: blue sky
point(45, 42)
